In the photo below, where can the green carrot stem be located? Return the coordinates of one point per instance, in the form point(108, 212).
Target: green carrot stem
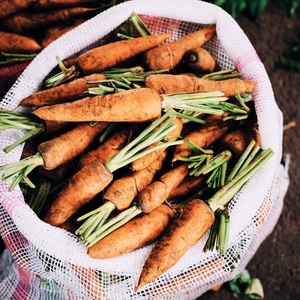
point(222, 75)
point(139, 25)
point(223, 233)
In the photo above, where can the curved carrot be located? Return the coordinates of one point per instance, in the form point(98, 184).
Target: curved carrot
point(167, 56)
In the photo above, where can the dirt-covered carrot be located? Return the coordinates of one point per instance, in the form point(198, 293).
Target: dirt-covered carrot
point(108, 147)
point(54, 152)
point(167, 56)
point(65, 92)
point(109, 55)
point(14, 6)
point(25, 22)
point(135, 105)
point(148, 159)
point(204, 135)
point(199, 60)
point(185, 230)
point(87, 191)
point(17, 43)
point(158, 191)
point(133, 235)
point(169, 84)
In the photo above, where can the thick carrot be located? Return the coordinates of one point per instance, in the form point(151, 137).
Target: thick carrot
point(203, 136)
point(123, 191)
point(108, 148)
point(135, 105)
point(168, 56)
point(91, 182)
point(17, 43)
point(146, 160)
point(25, 22)
point(169, 84)
point(199, 60)
point(189, 186)
point(136, 233)
point(158, 191)
point(65, 92)
point(109, 55)
point(13, 6)
point(186, 229)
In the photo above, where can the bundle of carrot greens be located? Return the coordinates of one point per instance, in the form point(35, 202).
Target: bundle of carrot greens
point(164, 144)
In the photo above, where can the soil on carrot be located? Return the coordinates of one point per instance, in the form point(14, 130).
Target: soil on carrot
point(277, 261)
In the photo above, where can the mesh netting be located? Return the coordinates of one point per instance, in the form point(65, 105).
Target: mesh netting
point(44, 262)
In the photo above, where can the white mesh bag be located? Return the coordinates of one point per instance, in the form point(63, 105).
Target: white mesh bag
point(44, 262)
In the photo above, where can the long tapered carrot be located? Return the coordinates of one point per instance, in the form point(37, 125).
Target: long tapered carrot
point(134, 234)
point(169, 84)
point(135, 105)
point(109, 55)
point(65, 92)
point(185, 230)
point(96, 177)
point(203, 136)
point(13, 6)
point(146, 160)
point(167, 56)
point(158, 191)
point(48, 4)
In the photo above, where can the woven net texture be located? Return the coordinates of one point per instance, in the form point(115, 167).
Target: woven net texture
point(44, 262)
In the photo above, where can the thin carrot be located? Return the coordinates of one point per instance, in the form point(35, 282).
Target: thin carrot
point(65, 92)
point(158, 191)
point(146, 160)
point(54, 153)
point(17, 43)
point(14, 6)
point(96, 177)
point(143, 230)
point(185, 230)
point(169, 84)
point(109, 147)
point(49, 4)
point(135, 105)
point(199, 60)
point(168, 56)
point(109, 55)
point(203, 136)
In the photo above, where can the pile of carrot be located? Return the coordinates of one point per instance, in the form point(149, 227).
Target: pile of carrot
point(150, 152)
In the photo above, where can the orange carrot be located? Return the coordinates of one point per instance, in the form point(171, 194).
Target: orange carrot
point(158, 191)
point(109, 55)
point(135, 105)
point(136, 233)
point(123, 191)
point(17, 43)
point(185, 230)
point(204, 135)
point(65, 92)
point(167, 56)
point(199, 60)
point(146, 160)
point(13, 6)
point(169, 84)
point(108, 148)
point(61, 210)
point(42, 4)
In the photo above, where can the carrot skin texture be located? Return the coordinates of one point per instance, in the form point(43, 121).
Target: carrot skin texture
point(67, 146)
point(109, 55)
point(147, 159)
point(136, 233)
point(17, 43)
point(81, 188)
point(157, 192)
point(65, 92)
point(167, 56)
point(169, 84)
point(185, 230)
point(135, 105)
point(13, 6)
point(123, 191)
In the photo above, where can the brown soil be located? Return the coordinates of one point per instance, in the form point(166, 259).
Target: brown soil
point(277, 261)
